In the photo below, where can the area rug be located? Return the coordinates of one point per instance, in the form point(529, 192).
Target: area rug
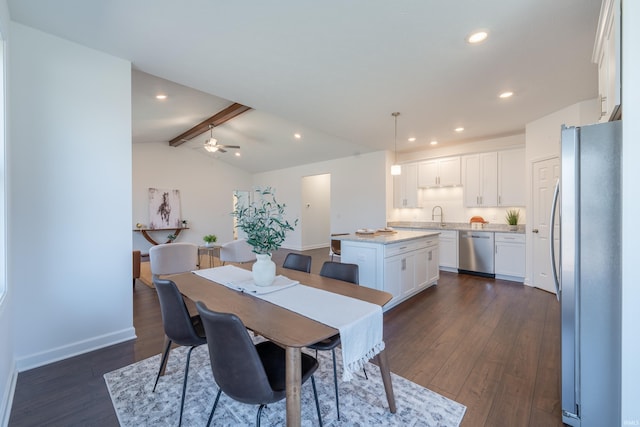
point(362, 401)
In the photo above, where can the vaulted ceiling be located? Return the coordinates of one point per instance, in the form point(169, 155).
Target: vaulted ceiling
point(334, 71)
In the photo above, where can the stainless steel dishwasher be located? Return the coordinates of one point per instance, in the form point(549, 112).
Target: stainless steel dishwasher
point(476, 253)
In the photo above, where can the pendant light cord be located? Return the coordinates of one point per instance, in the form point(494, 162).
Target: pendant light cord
point(395, 138)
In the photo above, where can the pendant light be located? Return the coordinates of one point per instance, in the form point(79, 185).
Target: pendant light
point(396, 169)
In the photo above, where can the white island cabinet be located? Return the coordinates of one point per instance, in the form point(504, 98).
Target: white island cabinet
point(401, 263)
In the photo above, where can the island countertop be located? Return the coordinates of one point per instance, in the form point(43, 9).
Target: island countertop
point(385, 238)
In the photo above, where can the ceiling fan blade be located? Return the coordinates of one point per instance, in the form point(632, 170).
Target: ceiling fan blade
point(229, 146)
point(222, 150)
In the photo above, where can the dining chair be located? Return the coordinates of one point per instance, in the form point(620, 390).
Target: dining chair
point(237, 251)
point(173, 258)
point(298, 262)
point(179, 327)
point(347, 273)
point(248, 373)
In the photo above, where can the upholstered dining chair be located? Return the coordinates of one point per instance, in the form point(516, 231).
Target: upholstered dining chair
point(179, 327)
point(298, 262)
point(172, 258)
point(248, 373)
point(236, 251)
point(347, 273)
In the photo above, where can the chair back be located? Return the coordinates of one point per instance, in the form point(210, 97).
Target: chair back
point(237, 251)
point(298, 262)
point(340, 271)
point(172, 258)
point(235, 363)
point(176, 320)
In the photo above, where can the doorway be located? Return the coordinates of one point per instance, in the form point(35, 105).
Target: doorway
point(545, 175)
point(315, 215)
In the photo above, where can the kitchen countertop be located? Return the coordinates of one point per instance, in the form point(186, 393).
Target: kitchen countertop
point(459, 226)
point(386, 238)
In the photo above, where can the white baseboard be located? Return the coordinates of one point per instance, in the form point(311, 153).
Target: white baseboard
point(74, 349)
point(7, 399)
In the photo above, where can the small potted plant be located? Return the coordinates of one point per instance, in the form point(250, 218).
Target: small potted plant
point(513, 215)
point(263, 221)
point(209, 239)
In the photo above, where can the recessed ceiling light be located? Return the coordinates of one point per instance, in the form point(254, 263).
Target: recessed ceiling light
point(507, 94)
point(477, 37)
point(161, 96)
point(459, 129)
point(237, 154)
point(297, 136)
point(434, 142)
point(412, 139)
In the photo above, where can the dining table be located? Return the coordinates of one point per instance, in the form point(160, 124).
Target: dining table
point(286, 328)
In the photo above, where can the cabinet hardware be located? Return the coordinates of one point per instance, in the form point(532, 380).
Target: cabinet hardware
point(404, 264)
point(535, 230)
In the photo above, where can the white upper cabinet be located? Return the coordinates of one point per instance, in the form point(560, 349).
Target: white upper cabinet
point(480, 179)
point(511, 178)
point(606, 53)
point(439, 173)
point(405, 187)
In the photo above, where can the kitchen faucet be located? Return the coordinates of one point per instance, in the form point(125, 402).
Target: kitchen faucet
point(441, 214)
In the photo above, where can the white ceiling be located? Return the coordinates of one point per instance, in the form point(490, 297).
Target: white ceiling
point(334, 71)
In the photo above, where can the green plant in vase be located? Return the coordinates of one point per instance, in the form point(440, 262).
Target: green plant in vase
point(209, 239)
point(513, 216)
point(263, 222)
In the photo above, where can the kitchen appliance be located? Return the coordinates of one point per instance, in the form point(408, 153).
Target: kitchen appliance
point(476, 253)
point(588, 272)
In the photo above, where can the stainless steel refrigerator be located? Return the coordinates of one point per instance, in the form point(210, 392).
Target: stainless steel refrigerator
point(587, 269)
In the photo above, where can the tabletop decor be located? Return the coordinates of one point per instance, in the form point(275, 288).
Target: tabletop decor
point(209, 239)
point(263, 221)
point(513, 215)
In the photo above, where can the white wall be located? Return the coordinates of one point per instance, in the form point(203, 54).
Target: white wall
point(206, 191)
point(8, 374)
point(357, 198)
point(631, 207)
point(69, 215)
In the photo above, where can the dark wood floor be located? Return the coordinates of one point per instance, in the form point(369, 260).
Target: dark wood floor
point(491, 345)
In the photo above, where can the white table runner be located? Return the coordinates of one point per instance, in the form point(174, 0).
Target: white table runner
point(359, 322)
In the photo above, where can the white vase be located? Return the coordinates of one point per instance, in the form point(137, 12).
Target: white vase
point(264, 270)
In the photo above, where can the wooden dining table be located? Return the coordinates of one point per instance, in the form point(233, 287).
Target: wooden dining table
point(291, 330)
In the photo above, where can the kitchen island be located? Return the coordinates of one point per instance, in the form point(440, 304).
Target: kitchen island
point(401, 262)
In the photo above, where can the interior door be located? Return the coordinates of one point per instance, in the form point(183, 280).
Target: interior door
point(316, 211)
point(545, 174)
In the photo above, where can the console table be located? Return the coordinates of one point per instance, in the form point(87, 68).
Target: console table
point(145, 232)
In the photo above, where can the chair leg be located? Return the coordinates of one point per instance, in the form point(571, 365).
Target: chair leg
point(163, 361)
point(315, 395)
point(335, 382)
point(260, 408)
point(184, 384)
point(215, 403)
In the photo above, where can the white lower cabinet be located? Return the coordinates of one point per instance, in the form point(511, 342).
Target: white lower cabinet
point(510, 256)
point(402, 269)
point(448, 250)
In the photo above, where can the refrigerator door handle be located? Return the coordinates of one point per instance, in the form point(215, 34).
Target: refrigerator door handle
point(552, 245)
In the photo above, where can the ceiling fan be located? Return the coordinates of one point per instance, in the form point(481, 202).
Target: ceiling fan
point(212, 146)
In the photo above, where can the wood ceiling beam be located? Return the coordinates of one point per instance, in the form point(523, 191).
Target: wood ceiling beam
point(217, 119)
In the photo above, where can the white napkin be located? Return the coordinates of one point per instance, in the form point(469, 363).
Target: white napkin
point(242, 280)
